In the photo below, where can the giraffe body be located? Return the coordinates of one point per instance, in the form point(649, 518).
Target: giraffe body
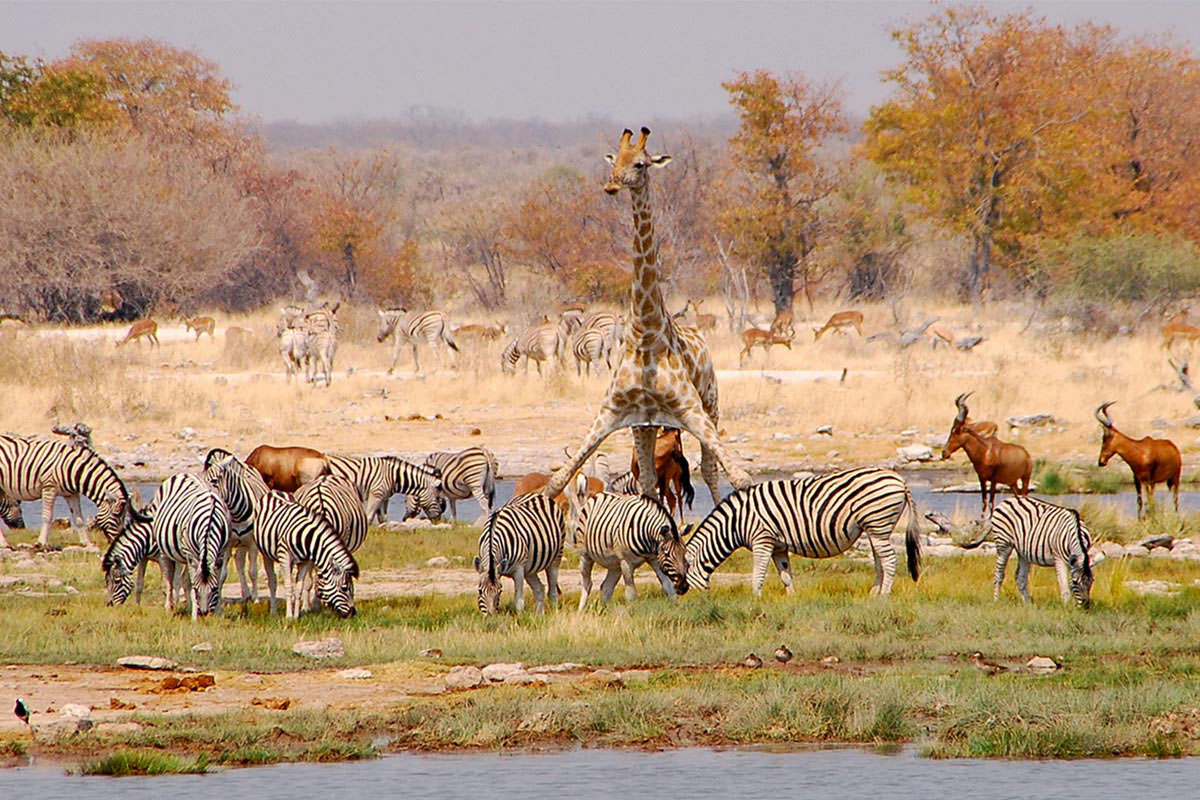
point(666, 375)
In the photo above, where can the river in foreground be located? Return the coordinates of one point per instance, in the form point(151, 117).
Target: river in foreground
point(607, 774)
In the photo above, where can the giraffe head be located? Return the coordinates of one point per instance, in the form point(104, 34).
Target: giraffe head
point(631, 163)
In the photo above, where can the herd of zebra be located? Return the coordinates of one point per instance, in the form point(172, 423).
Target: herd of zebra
point(196, 524)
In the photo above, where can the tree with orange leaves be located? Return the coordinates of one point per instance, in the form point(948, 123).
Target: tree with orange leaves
point(772, 213)
point(38, 95)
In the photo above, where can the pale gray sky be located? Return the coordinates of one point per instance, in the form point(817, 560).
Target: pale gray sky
point(315, 61)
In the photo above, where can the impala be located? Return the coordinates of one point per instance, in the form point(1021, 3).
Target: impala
point(840, 320)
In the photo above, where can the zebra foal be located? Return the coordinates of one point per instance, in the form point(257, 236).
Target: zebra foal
point(377, 478)
point(320, 343)
point(519, 540)
point(588, 346)
point(191, 532)
point(622, 532)
point(816, 517)
point(468, 473)
point(1044, 534)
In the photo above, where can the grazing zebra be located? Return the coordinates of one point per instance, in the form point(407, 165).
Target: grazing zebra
point(622, 532)
point(1044, 534)
point(412, 327)
point(538, 343)
point(300, 541)
point(589, 346)
point(815, 517)
point(467, 473)
point(320, 343)
point(191, 531)
point(610, 325)
point(377, 478)
point(519, 540)
point(125, 559)
point(38, 468)
point(241, 487)
point(336, 501)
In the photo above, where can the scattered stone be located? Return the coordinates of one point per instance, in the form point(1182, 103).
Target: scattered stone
point(523, 678)
point(603, 677)
point(1031, 421)
point(438, 561)
point(1040, 665)
point(117, 704)
point(465, 677)
point(187, 434)
point(825, 430)
point(1160, 552)
point(915, 452)
point(1158, 588)
point(145, 662)
point(498, 672)
point(910, 431)
point(1193, 422)
point(943, 551)
point(1136, 550)
point(322, 648)
point(635, 675)
point(357, 674)
point(203, 647)
point(273, 703)
point(431, 652)
point(1112, 549)
point(75, 711)
point(1158, 541)
point(568, 666)
point(830, 660)
point(1159, 423)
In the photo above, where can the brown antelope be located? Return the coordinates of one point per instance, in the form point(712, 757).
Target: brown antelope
point(1179, 330)
point(201, 325)
point(995, 462)
point(757, 337)
point(673, 473)
point(784, 324)
point(492, 332)
point(705, 322)
point(840, 320)
point(288, 468)
point(145, 327)
point(536, 481)
point(1151, 460)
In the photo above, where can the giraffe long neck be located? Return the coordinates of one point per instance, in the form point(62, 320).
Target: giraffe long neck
point(648, 309)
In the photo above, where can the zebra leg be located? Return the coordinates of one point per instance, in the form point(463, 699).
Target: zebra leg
point(453, 510)
point(141, 582)
point(609, 583)
point(667, 587)
point(539, 592)
point(1023, 578)
point(885, 563)
point(193, 573)
point(48, 495)
point(272, 584)
point(519, 588)
point(77, 519)
point(585, 578)
point(627, 575)
point(1062, 572)
point(239, 560)
point(552, 584)
point(1003, 551)
point(780, 556)
point(761, 555)
point(416, 360)
point(481, 498)
point(168, 579)
point(289, 586)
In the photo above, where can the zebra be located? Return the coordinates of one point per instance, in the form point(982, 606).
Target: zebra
point(411, 327)
point(300, 541)
point(320, 343)
point(38, 468)
point(191, 530)
point(1044, 534)
point(538, 343)
point(241, 487)
point(126, 559)
point(815, 517)
point(625, 483)
point(610, 325)
point(377, 478)
point(293, 348)
point(467, 473)
point(519, 540)
point(622, 532)
point(589, 346)
point(336, 501)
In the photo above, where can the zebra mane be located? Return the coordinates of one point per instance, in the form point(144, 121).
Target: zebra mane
point(89, 483)
point(216, 452)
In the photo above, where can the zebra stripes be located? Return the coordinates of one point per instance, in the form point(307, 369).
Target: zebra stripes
point(815, 517)
point(125, 560)
point(412, 327)
point(37, 468)
point(301, 542)
point(538, 343)
point(589, 346)
point(519, 540)
point(191, 531)
point(625, 483)
point(622, 532)
point(377, 478)
point(320, 343)
point(1044, 534)
point(335, 500)
point(241, 487)
point(467, 473)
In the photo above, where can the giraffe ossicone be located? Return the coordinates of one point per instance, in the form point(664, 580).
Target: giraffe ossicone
point(666, 375)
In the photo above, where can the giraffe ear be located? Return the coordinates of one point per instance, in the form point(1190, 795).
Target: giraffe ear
point(610, 158)
point(659, 161)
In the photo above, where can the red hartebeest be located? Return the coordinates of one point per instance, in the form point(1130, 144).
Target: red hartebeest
point(1151, 460)
point(842, 319)
point(995, 462)
point(673, 473)
point(145, 327)
point(288, 468)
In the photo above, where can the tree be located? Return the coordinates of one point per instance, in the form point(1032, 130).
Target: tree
point(985, 124)
point(40, 96)
point(773, 214)
point(871, 233)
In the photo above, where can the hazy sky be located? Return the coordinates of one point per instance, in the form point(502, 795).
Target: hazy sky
point(555, 61)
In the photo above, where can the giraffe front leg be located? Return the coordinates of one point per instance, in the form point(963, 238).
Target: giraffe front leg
point(698, 424)
point(605, 423)
point(644, 437)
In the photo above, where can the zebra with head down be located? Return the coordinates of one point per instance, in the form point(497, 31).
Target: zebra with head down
point(519, 540)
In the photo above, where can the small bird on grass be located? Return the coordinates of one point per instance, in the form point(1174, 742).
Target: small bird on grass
point(22, 712)
point(752, 661)
point(783, 655)
point(985, 666)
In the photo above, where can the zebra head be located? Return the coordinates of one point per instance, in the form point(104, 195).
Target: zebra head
point(10, 512)
point(509, 358)
point(426, 501)
point(110, 514)
point(387, 323)
point(672, 557)
point(489, 589)
point(1081, 566)
point(335, 584)
point(697, 577)
point(118, 577)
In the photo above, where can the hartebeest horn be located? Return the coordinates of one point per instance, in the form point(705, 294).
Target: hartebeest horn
point(961, 403)
point(641, 142)
point(1105, 420)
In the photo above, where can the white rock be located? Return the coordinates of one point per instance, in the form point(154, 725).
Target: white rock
point(1041, 665)
point(357, 674)
point(943, 551)
point(187, 434)
point(1160, 552)
point(499, 671)
point(465, 677)
point(322, 648)
point(915, 452)
point(568, 666)
point(1136, 550)
point(145, 662)
point(203, 647)
point(523, 678)
point(75, 711)
point(1112, 549)
point(438, 561)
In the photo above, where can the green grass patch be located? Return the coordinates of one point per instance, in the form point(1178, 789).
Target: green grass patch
point(144, 762)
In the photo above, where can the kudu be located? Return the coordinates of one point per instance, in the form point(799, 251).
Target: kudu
point(1151, 460)
point(995, 462)
point(842, 319)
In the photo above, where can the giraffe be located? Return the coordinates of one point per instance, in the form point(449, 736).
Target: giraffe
point(666, 375)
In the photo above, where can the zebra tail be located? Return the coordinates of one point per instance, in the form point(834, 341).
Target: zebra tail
point(1087, 560)
point(912, 539)
point(448, 339)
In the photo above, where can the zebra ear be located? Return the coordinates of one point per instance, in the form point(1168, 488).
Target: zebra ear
point(665, 532)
